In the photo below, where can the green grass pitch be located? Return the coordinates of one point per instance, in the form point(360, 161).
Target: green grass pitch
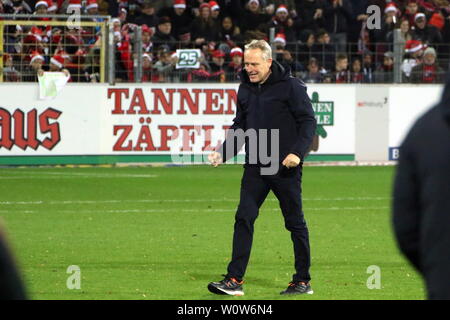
point(165, 232)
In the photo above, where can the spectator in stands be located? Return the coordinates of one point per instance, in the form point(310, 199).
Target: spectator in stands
point(388, 23)
point(411, 10)
point(253, 18)
point(57, 64)
point(9, 71)
point(124, 62)
point(17, 7)
point(305, 49)
point(323, 51)
point(230, 33)
point(41, 7)
point(357, 25)
point(179, 16)
point(289, 63)
point(37, 61)
point(148, 74)
point(215, 12)
point(163, 34)
point(184, 38)
point(234, 68)
point(217, 66)
point(385, 73)
point(428, 71)
point(92, 7)
point(279, 43)
point(341, 73)
point(337, 16)
point(283, 23)
point(204, 29)
point(368, 67)
point(147, 44)
point(313, 74)
point(413, 56)
point(92, 66)
point(165, 65)
point(310, 16)
point(427, 34)
point(405, 32)
point(271, 5)
point(356, 74)
point(147, 16)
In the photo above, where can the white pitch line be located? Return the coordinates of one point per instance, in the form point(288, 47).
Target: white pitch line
point(70, 202)
point(193, 210)
point(58, 175)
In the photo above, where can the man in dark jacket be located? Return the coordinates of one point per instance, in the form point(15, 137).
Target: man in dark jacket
point(163, 35)
point(269, 99)
point(421, 205)
point(338, 15)
point(147, 16)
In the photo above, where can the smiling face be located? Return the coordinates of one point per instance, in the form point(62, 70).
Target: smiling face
point(404, 27)
point(256, 66)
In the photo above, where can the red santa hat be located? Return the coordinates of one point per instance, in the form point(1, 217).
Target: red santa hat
point(280, 37)
point(35, 55)
point(413, 46)
point(147, 29)
point(204, 5)
point(58, 61)
point(218, 54)
point(35, 35)
point(236, 51)
point(282, 8)
point(254, 1)
point(180, 4)
point(41, 3)
point(52, 6)
point(390, 7)
point(147, 56)
point(74, 4)
point(419, 15)
point(214, 5)
point(91, 4)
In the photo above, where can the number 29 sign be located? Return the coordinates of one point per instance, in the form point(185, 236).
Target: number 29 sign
point(188, 58)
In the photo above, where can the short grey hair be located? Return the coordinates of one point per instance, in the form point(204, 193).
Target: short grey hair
point(263, 46)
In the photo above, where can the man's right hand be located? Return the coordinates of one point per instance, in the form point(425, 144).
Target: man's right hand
point(215, 158)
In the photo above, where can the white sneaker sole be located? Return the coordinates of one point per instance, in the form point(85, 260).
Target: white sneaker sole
point(216, 290)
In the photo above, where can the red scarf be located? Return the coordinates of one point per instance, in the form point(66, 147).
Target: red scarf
point(429, 73)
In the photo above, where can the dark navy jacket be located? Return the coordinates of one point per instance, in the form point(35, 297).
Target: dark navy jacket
point(421, 202)
point(282, 103)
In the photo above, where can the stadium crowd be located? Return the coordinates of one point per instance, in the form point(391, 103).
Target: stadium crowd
point(321, 41)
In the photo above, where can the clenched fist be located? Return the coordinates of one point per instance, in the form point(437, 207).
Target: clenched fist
point(215, 158)
point(291, 161)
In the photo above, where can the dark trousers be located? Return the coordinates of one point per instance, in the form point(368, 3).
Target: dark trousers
point(286, 185)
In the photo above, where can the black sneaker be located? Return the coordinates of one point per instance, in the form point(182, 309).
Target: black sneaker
point(298, 288)
point(230, 286)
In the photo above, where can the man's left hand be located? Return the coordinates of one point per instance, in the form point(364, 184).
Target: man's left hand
point(291, 161)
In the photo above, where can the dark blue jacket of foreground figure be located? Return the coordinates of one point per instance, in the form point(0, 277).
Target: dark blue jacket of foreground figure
point(282, 103)
point(421, 203)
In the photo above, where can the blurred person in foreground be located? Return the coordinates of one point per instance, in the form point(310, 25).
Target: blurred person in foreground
point(269, 99)
point(421, 198)
point(11, 287)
